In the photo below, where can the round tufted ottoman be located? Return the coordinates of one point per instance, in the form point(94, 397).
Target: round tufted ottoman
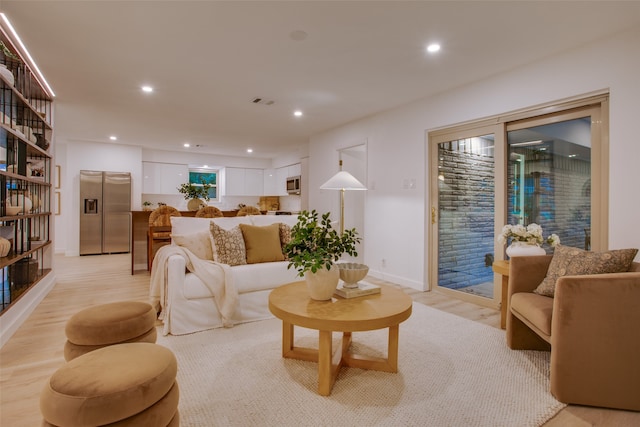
point(108, 324)
point(131, 384)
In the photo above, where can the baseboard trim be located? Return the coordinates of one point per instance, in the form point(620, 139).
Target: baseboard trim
point(397, 279)
point(18, 313)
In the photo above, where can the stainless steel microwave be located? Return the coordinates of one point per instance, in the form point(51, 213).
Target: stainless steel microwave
point(293, 185)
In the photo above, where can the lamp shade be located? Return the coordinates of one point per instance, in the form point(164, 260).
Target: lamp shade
point(343, 180)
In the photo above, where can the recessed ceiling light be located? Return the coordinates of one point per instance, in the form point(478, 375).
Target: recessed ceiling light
point(113, 137)
point(298, 35)
point(147, 89)
point(249, 150)
point(433, 48)
point(186, 145)
point(297, 113)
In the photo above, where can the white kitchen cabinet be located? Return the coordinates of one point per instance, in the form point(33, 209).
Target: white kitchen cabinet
point(163, 178)
point(294, 170)
point(244, 182)
point(281, 177)
point(270, 183)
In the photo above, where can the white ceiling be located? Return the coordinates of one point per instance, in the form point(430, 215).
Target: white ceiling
point(207, 61)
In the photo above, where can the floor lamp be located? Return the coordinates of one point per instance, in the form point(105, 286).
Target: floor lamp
point(342, 181)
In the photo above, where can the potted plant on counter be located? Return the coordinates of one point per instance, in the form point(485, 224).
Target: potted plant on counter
point(195, 193)
point(314, 249)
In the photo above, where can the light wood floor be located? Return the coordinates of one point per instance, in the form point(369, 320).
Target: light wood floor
point(36, 350)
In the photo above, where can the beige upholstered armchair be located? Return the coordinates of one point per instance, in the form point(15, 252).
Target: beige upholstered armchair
point(591, 326)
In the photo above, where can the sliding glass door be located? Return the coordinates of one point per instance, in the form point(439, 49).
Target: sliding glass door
point(549, 176)
point(463, 214)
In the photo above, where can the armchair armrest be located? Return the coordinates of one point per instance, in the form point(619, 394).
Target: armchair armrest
point(596, 341)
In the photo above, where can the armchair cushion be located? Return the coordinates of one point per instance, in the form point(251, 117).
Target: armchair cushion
point(534, 311)
point(568, 261)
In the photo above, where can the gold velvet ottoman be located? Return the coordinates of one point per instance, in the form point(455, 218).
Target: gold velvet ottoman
point(132, 384)
point(107, 324)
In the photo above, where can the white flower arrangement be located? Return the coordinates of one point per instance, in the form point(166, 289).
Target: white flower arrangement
point(531, 234)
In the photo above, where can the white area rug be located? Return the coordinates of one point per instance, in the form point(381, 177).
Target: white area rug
point(452, 372)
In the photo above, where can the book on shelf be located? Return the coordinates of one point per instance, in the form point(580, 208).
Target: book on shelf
point(363, 289)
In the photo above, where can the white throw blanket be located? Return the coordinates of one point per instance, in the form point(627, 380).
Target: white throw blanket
point(216, 276)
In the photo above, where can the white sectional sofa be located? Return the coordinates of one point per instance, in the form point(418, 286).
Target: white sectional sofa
point(189, 305)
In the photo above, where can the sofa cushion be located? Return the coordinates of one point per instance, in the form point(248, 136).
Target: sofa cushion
point(534, 310)
point(198, 243)
point(285, 237)
point(262, 243)
point(229, 245)
point(246, 278)
point(568, 261)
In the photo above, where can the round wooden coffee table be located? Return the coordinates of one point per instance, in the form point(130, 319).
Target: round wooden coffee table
point(388, 309)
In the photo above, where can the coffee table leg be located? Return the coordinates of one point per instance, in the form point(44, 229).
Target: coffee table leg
point(392, 352)
point(287, 338)
point(325, 381)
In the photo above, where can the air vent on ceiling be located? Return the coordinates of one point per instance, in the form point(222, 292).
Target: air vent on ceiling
point(263, 101)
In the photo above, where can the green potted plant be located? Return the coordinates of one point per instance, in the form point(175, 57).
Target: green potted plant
point(195, 193)
point(313, 250)
point(146, 205)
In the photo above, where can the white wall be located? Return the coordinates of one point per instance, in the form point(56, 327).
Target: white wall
point(395, 217)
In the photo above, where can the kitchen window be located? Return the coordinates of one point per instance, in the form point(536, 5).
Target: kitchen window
point(208, 176)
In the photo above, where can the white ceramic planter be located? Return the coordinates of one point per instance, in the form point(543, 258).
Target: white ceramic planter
point(323, 283)
point(524, 249)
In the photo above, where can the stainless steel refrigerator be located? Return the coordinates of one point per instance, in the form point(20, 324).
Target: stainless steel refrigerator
point(105, 212)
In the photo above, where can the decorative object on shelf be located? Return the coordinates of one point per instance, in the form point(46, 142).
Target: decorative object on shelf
point(5, 50)
point(351, 273)
point(35, 201)
point(146, 206)
point(42, 142)
point(14, 169)
point(5, 247)
point(526, 241)
point(21, 201)
point(194, 193)
point(12, 210)
point(342, 181)
point(313, 250)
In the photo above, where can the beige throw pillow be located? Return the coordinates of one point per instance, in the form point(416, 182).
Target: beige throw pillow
point(262, 243)
point(198, 243)
point(229, 245)
point(568, 261)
